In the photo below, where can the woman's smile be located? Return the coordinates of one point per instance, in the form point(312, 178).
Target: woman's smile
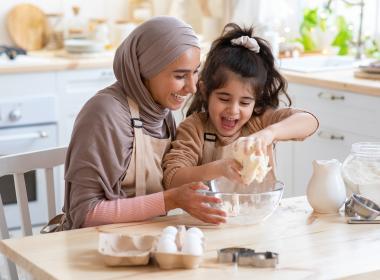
point(179, 98)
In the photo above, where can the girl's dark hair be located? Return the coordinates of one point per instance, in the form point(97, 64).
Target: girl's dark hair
point(259, 68)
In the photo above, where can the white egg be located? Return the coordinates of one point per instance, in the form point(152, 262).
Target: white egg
point(192, 246)
point(166, 246)
point(196, 231)
point(170, 230)
point(192, 236)
point(167, 236)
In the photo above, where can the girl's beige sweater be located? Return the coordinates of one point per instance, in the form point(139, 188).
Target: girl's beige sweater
point(187, 149)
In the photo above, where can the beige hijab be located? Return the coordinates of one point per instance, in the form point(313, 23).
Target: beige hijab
point(155, 44)
point(101, 144)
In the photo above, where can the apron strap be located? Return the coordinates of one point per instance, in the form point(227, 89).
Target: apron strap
point(138, 143)
point(208, 147)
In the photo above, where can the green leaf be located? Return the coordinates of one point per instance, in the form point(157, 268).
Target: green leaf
point(308, 43)
point(323, 25)
point(343, 50)
point(310, 18)
point(343, 37)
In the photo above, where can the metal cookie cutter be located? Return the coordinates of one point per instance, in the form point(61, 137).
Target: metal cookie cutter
point(230, 255)
point(357, 205)
point(247, 257)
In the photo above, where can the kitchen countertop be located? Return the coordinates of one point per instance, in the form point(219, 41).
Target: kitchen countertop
point(44, 61)
point(338, 79)
point(310, 246)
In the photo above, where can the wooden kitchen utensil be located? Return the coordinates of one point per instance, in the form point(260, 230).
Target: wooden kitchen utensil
point(27, 26)
point(364, 75)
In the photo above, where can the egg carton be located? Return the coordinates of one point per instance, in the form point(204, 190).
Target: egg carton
point(179, 259)
point(134, 250)
point(123, 250)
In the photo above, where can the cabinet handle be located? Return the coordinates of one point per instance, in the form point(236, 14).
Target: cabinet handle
point(106, 74)
point(330, 136)
point(26, 136)
point(330, 96)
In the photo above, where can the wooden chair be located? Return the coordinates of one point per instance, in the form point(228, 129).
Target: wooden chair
point(17, 165)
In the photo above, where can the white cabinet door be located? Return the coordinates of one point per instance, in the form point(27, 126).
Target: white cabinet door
point(27, 84)
point(352, 112)
point(75, 88)
point(345, 118)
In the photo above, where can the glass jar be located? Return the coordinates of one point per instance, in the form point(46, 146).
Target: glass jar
point(76, 26)
point(99, 32)
point(55, 31)
point(361, 170)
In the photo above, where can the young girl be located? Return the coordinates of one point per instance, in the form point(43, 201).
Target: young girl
point(238, 95)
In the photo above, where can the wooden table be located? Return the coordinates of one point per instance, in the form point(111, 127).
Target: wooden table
point(311, 246)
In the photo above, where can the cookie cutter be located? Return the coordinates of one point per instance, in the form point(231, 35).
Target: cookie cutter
point(358, 205)
point(247, 257)
point(359, 220)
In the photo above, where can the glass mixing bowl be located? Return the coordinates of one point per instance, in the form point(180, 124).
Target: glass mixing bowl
point(246, 204)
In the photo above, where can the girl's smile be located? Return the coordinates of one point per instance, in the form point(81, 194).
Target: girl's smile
point(229, 123)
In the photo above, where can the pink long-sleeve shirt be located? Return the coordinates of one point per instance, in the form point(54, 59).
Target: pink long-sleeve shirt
point(126, 210)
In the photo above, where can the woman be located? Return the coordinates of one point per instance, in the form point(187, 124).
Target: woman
point(113, 166)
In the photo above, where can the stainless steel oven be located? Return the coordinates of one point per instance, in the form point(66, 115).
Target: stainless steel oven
point(26, 124)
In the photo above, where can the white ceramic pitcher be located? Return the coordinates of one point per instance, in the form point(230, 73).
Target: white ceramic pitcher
point(326, 191)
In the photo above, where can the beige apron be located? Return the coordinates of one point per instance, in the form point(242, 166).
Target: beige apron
point(213, 152)
point(144, 173)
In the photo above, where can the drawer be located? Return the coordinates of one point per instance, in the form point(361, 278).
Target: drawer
point(27, 84)
point(344, 110)
point(77, 81)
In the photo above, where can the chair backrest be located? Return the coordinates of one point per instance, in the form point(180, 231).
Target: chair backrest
point(17, 165)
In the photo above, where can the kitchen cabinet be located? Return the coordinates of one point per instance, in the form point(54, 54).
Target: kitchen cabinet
point(75, 87)
point(345, 118)
point(68, 89)
point(27, 84)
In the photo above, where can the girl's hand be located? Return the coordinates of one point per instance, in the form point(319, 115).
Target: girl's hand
point(230, 169)
point(196, 204)
point(258, 142)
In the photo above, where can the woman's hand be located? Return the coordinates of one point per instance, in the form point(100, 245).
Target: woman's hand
point(196, 204)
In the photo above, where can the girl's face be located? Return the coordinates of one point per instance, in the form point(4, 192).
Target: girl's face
point(175, 82)
point(231, 106)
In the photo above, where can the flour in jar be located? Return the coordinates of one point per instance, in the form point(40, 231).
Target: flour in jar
point(362, 172)
point(363, 176)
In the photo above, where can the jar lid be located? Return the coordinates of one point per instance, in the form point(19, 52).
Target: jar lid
point(366, 149)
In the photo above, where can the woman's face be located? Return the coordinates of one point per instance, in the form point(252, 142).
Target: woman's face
point(176, 81)
point(231, 106)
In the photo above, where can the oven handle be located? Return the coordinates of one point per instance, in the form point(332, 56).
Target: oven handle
point(26, 136)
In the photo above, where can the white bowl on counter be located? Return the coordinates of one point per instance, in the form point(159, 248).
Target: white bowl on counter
point(83, 46)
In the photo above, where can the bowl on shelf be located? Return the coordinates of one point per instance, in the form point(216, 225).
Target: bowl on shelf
point(83, 46)
point(247, 204)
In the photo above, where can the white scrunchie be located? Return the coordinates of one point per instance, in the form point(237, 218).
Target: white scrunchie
point(248, 42)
